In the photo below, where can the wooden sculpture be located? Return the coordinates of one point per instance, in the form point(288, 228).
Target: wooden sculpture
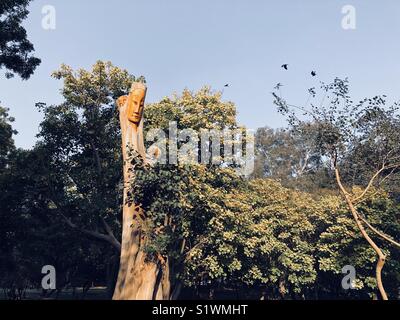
point(140, 277)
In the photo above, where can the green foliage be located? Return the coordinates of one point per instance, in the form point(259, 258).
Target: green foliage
point(73, 175)
point(358, 136)
point(360, 145)
point(15, 48)
point(81, 139)
point(32, 235)
point(257, 234)
point(187, 197)
point(196, 110)
point(262, 237)
point(6, 139)
point(215, 227)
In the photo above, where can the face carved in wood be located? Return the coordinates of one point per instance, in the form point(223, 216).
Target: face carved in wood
point(136, 105)
point(131, 106)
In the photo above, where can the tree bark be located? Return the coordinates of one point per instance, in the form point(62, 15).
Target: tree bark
point(141, 276)
point(381, 256)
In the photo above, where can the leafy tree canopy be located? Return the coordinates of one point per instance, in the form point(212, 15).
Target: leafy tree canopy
point(15, 48)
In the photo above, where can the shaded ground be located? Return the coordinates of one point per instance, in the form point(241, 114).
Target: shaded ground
point(99, 293)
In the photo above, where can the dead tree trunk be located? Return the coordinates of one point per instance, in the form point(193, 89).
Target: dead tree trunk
point(141, 276)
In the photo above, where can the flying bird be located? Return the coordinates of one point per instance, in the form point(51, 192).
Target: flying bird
point(278, 86)
point(285, 66)
point(313, 73)
point(227, 85)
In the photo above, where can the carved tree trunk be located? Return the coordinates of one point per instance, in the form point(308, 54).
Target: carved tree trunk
point(141, 276)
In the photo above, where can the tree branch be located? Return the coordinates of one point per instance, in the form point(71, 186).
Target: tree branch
point(377, 249)
point(188, 254)
point(379, 233)
point(370, 183)
point(94, 234)
point(110, 233)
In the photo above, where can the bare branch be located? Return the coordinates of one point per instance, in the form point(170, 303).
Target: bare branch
point(377, 249)
point(376, 192)
point(379, 233)
point(370, 183)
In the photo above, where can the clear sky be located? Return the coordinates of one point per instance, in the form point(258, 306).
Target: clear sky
point(179, 44)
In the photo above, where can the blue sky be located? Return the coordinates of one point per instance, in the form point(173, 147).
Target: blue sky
point(179, 44)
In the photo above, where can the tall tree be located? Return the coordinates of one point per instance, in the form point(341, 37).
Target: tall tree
point(80, 155)
point(369, 130)
point(80, 139)
point(291, 157)
point(15, 49)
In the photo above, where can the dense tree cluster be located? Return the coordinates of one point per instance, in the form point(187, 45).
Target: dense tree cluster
point(285, 233)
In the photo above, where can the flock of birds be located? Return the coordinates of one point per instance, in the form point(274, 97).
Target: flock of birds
point(286, 67)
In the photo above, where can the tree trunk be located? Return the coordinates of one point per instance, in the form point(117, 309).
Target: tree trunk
point(177, 291)
point(112, 272)
point(141, 276)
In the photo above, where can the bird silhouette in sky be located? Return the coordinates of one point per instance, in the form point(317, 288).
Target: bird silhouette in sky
point(313, 73)
point(285, 66)
point(278, 86)
point(227, 85)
